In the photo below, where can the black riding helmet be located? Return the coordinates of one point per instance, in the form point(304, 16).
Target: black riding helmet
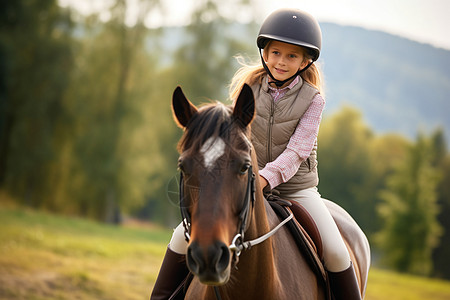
point(291, 26)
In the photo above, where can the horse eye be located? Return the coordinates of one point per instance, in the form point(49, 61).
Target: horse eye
point(244, 168)
point(180, 166)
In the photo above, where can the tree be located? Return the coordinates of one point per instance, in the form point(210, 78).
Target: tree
point(204, 63)
point(112, 143)
point(384, 151)
point(441, 259)
point(345, 164)
point(353, 164)
point(36, 60)
point(409, 211)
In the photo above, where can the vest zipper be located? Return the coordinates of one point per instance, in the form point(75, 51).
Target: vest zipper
point(269, 142)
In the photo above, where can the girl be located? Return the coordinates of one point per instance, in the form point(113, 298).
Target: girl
point(289, 107)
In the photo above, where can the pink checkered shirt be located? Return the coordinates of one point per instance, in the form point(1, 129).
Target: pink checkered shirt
point(300, 144)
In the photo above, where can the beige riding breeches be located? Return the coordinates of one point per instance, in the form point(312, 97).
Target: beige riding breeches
point(335, 253)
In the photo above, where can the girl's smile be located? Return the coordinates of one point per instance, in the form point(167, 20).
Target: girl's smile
point(280, 71)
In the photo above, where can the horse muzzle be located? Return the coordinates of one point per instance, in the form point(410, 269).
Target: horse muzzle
point(211, 263)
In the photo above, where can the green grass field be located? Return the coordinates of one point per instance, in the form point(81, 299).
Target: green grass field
point(44, 256)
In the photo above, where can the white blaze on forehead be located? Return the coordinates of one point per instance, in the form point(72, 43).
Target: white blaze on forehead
point(212, 149)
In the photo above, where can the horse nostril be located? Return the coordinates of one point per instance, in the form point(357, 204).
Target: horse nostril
point(223, 257)
point(194, 261)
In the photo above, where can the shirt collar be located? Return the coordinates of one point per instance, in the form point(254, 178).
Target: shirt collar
point(290, 86)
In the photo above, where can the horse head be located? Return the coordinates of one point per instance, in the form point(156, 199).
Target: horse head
point(217, 181)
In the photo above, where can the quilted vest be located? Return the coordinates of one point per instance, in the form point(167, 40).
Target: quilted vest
point(273, 126)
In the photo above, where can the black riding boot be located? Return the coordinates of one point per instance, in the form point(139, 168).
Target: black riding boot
point(344, 285)
point(171, 276)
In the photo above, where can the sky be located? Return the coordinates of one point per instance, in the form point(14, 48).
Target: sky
point(426, 21)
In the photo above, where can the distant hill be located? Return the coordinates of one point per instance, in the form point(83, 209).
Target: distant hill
point(398, 84)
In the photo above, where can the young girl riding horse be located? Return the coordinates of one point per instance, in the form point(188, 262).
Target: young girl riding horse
point(289, 105)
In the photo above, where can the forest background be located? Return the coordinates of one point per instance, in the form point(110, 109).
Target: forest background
point(86, 127)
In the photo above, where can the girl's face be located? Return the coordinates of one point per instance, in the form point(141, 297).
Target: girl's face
point(284, 60)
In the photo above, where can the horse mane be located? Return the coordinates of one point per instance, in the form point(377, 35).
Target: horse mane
point(211, 120)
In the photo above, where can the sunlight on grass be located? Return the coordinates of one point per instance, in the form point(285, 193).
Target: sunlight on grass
point(50, 257)
point(43, 256)
point(390, 285)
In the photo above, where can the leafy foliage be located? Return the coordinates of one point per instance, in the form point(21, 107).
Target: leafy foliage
point(36, 61)
point(409, 211)
point(344, 143)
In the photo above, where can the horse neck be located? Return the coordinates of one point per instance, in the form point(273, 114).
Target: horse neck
point(259, 223)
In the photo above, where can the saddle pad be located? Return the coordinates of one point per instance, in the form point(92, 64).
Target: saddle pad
point(304, 244)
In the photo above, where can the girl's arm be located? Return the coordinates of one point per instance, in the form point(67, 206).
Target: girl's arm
point(299, 147)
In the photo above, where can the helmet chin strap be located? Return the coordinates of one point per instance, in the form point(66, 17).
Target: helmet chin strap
point(279, 83)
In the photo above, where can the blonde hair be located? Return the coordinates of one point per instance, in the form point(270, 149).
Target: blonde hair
point(254, 73)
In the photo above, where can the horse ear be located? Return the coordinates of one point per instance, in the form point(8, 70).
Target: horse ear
point(244, 108)
point(182, 108)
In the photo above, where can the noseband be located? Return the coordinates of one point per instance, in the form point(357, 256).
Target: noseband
point(237, 244)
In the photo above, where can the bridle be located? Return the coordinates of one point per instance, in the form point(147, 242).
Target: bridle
point(237, 244)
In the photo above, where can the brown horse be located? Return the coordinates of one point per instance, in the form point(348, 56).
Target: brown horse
point(223, 208)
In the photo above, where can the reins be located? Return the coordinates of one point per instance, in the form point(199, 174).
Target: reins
point(248, 244)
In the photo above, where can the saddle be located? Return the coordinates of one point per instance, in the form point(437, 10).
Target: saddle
point(305, 233)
